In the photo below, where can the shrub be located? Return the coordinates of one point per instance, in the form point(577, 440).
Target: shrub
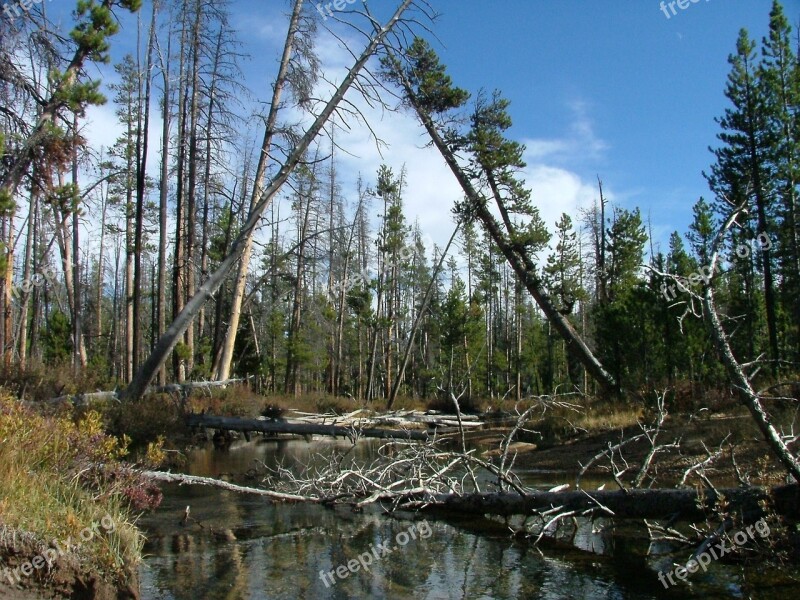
point(51, 485)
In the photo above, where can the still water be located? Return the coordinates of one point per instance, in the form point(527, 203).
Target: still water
point(242, 547)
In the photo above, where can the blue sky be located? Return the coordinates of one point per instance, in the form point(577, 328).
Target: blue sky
point(644, 89)
point(611, 88)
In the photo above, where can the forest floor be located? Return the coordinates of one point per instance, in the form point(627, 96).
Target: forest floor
point(562, 440)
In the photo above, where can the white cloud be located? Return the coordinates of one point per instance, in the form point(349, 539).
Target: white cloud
point(102, 126)
point(431, 188)
point(579, 142)
point(556, 191)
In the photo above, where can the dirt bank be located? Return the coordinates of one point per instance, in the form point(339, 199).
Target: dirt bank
point(69, 575)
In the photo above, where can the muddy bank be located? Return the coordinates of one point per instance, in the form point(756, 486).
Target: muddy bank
point(736, 434)
point(25, 573)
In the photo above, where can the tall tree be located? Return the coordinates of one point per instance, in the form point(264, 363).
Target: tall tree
point(742, 169)
point(290, 72)
point(493, 159)
point(168, 341)
point(780, 76)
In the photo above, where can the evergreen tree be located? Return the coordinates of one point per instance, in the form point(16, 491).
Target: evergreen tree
point(743, 171)
point(780, 76)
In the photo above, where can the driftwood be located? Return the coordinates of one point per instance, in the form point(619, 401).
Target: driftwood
point(181, 479)
point(400, 418)
point(684, 504)
point(171, 388)
point(269, 426)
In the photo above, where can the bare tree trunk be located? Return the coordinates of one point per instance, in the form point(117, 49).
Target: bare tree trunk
point(418, 319)
point(749, 397)
point(191, 195)
point(224, 367)
point(36, 304)
point(334, 355)
point(142, 140)
point(79, 350)
point(342, 298)
point(207, 175)
point(178, 279)
point(101, 272)
point(373, 351)
point(290, 384)
point(518, 313)
point(113, 340)
point(8, 288)
point(602, 282)
point(170, 338)
point(163, 207)
point(27, 272)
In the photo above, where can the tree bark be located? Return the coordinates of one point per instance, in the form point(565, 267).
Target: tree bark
point(142, 141)
point(191, 192)
point(27, 272)
point(163, 207)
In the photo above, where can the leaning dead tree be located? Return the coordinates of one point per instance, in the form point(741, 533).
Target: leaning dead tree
point(485, 164)
point(741, 382)
point(183, 320)
point(736, 372)
point(293, 37)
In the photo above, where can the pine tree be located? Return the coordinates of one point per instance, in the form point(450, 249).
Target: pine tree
point(780, 76)
point(742, 171)
point(563, 277)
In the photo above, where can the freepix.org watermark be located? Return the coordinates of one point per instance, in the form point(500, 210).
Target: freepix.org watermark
point(667, 7)
point(705, 274)
point(47, 275)
point(13, 10)
point(331, 7)
point(716, 552)
point(365, 559)
point(49, 556)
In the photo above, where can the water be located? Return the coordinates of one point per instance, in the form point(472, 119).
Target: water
point(243, 547)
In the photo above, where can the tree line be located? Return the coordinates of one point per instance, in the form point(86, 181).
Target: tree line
point(335, 289)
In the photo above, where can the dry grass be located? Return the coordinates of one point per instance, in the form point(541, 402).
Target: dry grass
point(45, 490)
point(606, 419)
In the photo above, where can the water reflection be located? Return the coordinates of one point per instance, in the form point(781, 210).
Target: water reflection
point(243, 547)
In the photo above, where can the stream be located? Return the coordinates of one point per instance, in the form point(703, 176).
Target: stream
point(241, 547)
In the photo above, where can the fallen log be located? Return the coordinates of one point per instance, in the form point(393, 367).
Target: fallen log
point(171, 388)
point(181, 479)
point(397, 418)
point(660, 503)
point(269, 426)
